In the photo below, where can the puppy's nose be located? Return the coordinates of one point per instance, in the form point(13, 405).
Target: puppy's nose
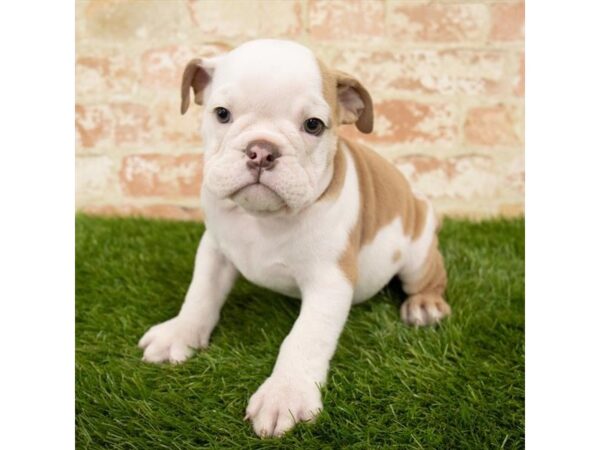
point(261, 155)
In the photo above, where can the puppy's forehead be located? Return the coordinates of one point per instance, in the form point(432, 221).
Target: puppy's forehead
point(271, 68)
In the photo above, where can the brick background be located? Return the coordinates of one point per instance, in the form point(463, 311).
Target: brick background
point(447, 78)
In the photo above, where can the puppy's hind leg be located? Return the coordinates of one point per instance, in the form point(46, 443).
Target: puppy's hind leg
point(425, 286)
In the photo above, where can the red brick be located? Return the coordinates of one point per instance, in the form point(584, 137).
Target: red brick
point(445, 72)
point(95, 177)
point(157, 211)
point(519, 84)
point(170, 127)
point(105, 76)
point(132, 124)
point(409, 122)
point(118, 21)
point(515, 174)
point(234, 19)
point(423, 164)
point(91, 76)
point(497, 125)
point(117, 124)
point(434, 22)
point(163, 67)
point(226, 19)
point(101, 66)
point(289, 18)
point(508, 22)
point(339, 19)
point(468, 176)
point(93, 125)
point(127, 124)
point(169, 176)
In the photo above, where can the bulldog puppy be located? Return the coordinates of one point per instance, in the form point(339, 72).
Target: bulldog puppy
point(296, 209)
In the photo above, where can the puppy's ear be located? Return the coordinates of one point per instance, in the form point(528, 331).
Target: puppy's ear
point(354, 102)
point(197, 75)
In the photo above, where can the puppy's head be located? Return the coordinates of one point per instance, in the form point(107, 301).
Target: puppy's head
point(269, 124)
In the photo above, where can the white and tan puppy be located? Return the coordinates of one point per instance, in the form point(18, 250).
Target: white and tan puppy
point(296, 209)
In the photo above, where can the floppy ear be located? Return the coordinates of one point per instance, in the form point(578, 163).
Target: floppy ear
point(354, 102)
point(197, 75)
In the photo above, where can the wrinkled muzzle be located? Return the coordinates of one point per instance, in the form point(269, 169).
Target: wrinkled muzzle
point(259, 175)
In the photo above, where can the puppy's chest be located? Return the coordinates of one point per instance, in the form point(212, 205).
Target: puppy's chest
point(265, 259)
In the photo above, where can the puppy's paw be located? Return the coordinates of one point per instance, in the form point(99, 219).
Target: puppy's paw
point(424, 309)
point(173, 341)
point(281, 402)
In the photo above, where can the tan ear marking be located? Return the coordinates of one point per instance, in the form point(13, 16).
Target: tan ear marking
point(348, 99)
point(195, 76)
point(355, 102)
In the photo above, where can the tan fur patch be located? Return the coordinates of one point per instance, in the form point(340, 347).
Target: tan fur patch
point(348, 261)
point(433, 274)
point(384, 195)
point(334, 82)
point(337, 180)
point(396, 256)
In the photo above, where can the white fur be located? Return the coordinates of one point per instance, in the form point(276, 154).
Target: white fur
point(191, 329)
point(277, 235)
point(277, 90)
point(376, 265)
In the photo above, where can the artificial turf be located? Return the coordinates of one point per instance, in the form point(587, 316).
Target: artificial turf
point(459, 385)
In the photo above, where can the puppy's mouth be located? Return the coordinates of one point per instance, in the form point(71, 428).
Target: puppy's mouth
point(255, 183)
point(257, 197)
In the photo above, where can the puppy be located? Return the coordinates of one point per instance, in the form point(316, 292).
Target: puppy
point(296, 209)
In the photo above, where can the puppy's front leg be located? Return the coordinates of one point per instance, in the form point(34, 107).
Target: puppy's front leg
point(291, 394)
point(175, 339)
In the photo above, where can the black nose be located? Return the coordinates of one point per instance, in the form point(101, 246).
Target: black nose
point(261, 155)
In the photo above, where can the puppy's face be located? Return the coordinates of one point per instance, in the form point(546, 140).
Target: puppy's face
point(269, 122)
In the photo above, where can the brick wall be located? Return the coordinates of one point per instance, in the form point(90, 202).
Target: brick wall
point(447, 78)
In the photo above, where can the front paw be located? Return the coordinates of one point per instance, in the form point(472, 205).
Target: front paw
point(281, 402)
point(173, 341)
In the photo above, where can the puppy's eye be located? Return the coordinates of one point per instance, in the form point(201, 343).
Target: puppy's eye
point(223, 114)
point(314, 126)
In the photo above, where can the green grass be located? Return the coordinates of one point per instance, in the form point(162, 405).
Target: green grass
point(460, 385)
